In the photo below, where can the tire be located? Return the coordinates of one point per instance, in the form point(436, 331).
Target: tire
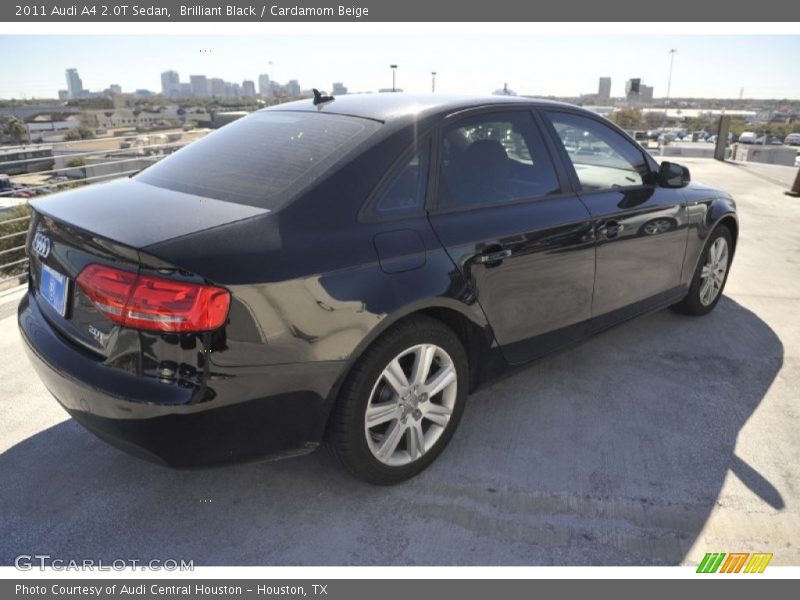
point(402, 438)
point(697, 301)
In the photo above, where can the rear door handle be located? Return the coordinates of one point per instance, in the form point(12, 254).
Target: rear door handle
point(493, 257)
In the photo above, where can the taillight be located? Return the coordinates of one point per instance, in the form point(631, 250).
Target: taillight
point(155, 303)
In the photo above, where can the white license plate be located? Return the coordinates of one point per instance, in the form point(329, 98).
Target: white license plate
point(53, 287)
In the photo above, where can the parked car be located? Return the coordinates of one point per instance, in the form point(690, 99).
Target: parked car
point(793, 139)
point(748, 137)
point(349, 270)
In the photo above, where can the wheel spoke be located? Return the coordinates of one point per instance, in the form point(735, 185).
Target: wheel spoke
point(396, 377)
point(717, 250)
point(415, 442)
point(704, 290)
point(437, 413)
point(441, 380)
point(382, 412)
point(390, 442)
point(422, 364)
point(707, 270)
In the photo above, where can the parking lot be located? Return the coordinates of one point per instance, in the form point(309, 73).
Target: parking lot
point(653, 443)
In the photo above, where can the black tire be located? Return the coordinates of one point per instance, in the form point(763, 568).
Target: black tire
point(347, 437)
point(691, 304)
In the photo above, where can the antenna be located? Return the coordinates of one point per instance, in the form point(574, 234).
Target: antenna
point(320, 99)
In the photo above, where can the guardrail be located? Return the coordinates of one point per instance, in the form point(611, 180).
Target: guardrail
point(13, 262)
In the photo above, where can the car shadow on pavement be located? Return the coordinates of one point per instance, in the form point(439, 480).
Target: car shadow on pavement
point(611, 452)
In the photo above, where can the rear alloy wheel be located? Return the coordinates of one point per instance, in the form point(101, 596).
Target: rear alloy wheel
point(402, 402)
point(711, 274)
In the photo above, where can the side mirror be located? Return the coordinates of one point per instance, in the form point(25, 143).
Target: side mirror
point(673, 175)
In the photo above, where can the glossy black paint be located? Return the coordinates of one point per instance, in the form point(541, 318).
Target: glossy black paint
point(314, 283)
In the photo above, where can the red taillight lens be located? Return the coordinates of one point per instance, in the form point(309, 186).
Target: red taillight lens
point(146, 302)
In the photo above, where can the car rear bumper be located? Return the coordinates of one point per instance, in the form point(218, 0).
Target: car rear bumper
point(243, 414)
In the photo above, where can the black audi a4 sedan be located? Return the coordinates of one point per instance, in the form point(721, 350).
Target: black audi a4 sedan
point(350, 270)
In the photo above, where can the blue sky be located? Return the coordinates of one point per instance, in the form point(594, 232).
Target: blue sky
point(705, 65)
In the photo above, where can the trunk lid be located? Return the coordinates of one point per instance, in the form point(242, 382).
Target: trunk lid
point(108, 224)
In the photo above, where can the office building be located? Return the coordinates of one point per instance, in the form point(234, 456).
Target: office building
point(170, 84)
point(293, 89)
point(248, 89)
point(264, 89)
point(199, 85)
point(216, 87)
point(604, 90)
point(74, 84)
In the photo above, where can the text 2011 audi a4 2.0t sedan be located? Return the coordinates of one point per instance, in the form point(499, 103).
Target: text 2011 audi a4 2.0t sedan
point(349, 270)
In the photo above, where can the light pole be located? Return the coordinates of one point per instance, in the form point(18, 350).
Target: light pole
point(433, 81)
point(394, 70)
point(669, 80)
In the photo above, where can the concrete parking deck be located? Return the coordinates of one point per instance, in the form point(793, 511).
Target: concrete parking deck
point(653, 443)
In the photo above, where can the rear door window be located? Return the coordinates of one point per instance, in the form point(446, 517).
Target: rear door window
point(263, 159)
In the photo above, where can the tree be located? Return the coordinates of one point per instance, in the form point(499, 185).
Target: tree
point(76, 162)
point(15, 129)
point(79, 133)
point(627, 118)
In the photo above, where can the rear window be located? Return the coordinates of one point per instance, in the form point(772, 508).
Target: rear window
point(263, 159)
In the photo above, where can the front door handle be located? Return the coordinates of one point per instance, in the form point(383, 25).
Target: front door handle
point(494, 256)
point(610, 229)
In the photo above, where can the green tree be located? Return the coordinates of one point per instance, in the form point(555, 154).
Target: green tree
point(76, 162)
point(627, 118)
point(79, 133)
point(15, 129)
point(16, 242)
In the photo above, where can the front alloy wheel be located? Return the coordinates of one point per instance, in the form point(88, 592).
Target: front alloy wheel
point(712, 275)
point(402, 401)
point(709, 278)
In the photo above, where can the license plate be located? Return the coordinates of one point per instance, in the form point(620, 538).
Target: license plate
point(53, 288)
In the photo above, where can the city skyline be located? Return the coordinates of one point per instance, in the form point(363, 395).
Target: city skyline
point(719, 66)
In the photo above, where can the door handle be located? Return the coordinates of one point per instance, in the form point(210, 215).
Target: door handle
point(610, 229)
point(493, 256)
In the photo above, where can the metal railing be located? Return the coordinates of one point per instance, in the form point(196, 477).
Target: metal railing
point(14, 269)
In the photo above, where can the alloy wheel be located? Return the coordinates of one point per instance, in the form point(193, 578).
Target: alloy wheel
point(713, 273)
point(410, 404)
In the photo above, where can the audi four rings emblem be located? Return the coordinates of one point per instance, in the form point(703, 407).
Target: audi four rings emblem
point(41, 244)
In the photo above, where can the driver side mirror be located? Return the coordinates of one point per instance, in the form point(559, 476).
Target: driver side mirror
point(673, 175)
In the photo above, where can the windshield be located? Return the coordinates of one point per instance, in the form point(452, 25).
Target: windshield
point(263, 159)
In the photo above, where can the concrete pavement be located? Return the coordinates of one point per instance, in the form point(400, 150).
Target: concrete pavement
point(653, 443)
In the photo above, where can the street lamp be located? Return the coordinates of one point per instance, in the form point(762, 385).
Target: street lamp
point(669, 80)
point(394, 70)
point(433, 81)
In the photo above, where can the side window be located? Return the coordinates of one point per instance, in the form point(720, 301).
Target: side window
point(494, 158)
point(602, 158)
point(405, 192)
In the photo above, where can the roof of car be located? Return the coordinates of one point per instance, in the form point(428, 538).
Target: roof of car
point(402, 106)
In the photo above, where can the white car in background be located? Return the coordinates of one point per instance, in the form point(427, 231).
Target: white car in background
point(748, 137)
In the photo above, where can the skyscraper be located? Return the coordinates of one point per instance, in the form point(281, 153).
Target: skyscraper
point(170, 84)
point(74, 84)
point(199, 85)
point(216, 86)
point(248, 89)
point(293, 89)
point(263, 86)
point(604, 90)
